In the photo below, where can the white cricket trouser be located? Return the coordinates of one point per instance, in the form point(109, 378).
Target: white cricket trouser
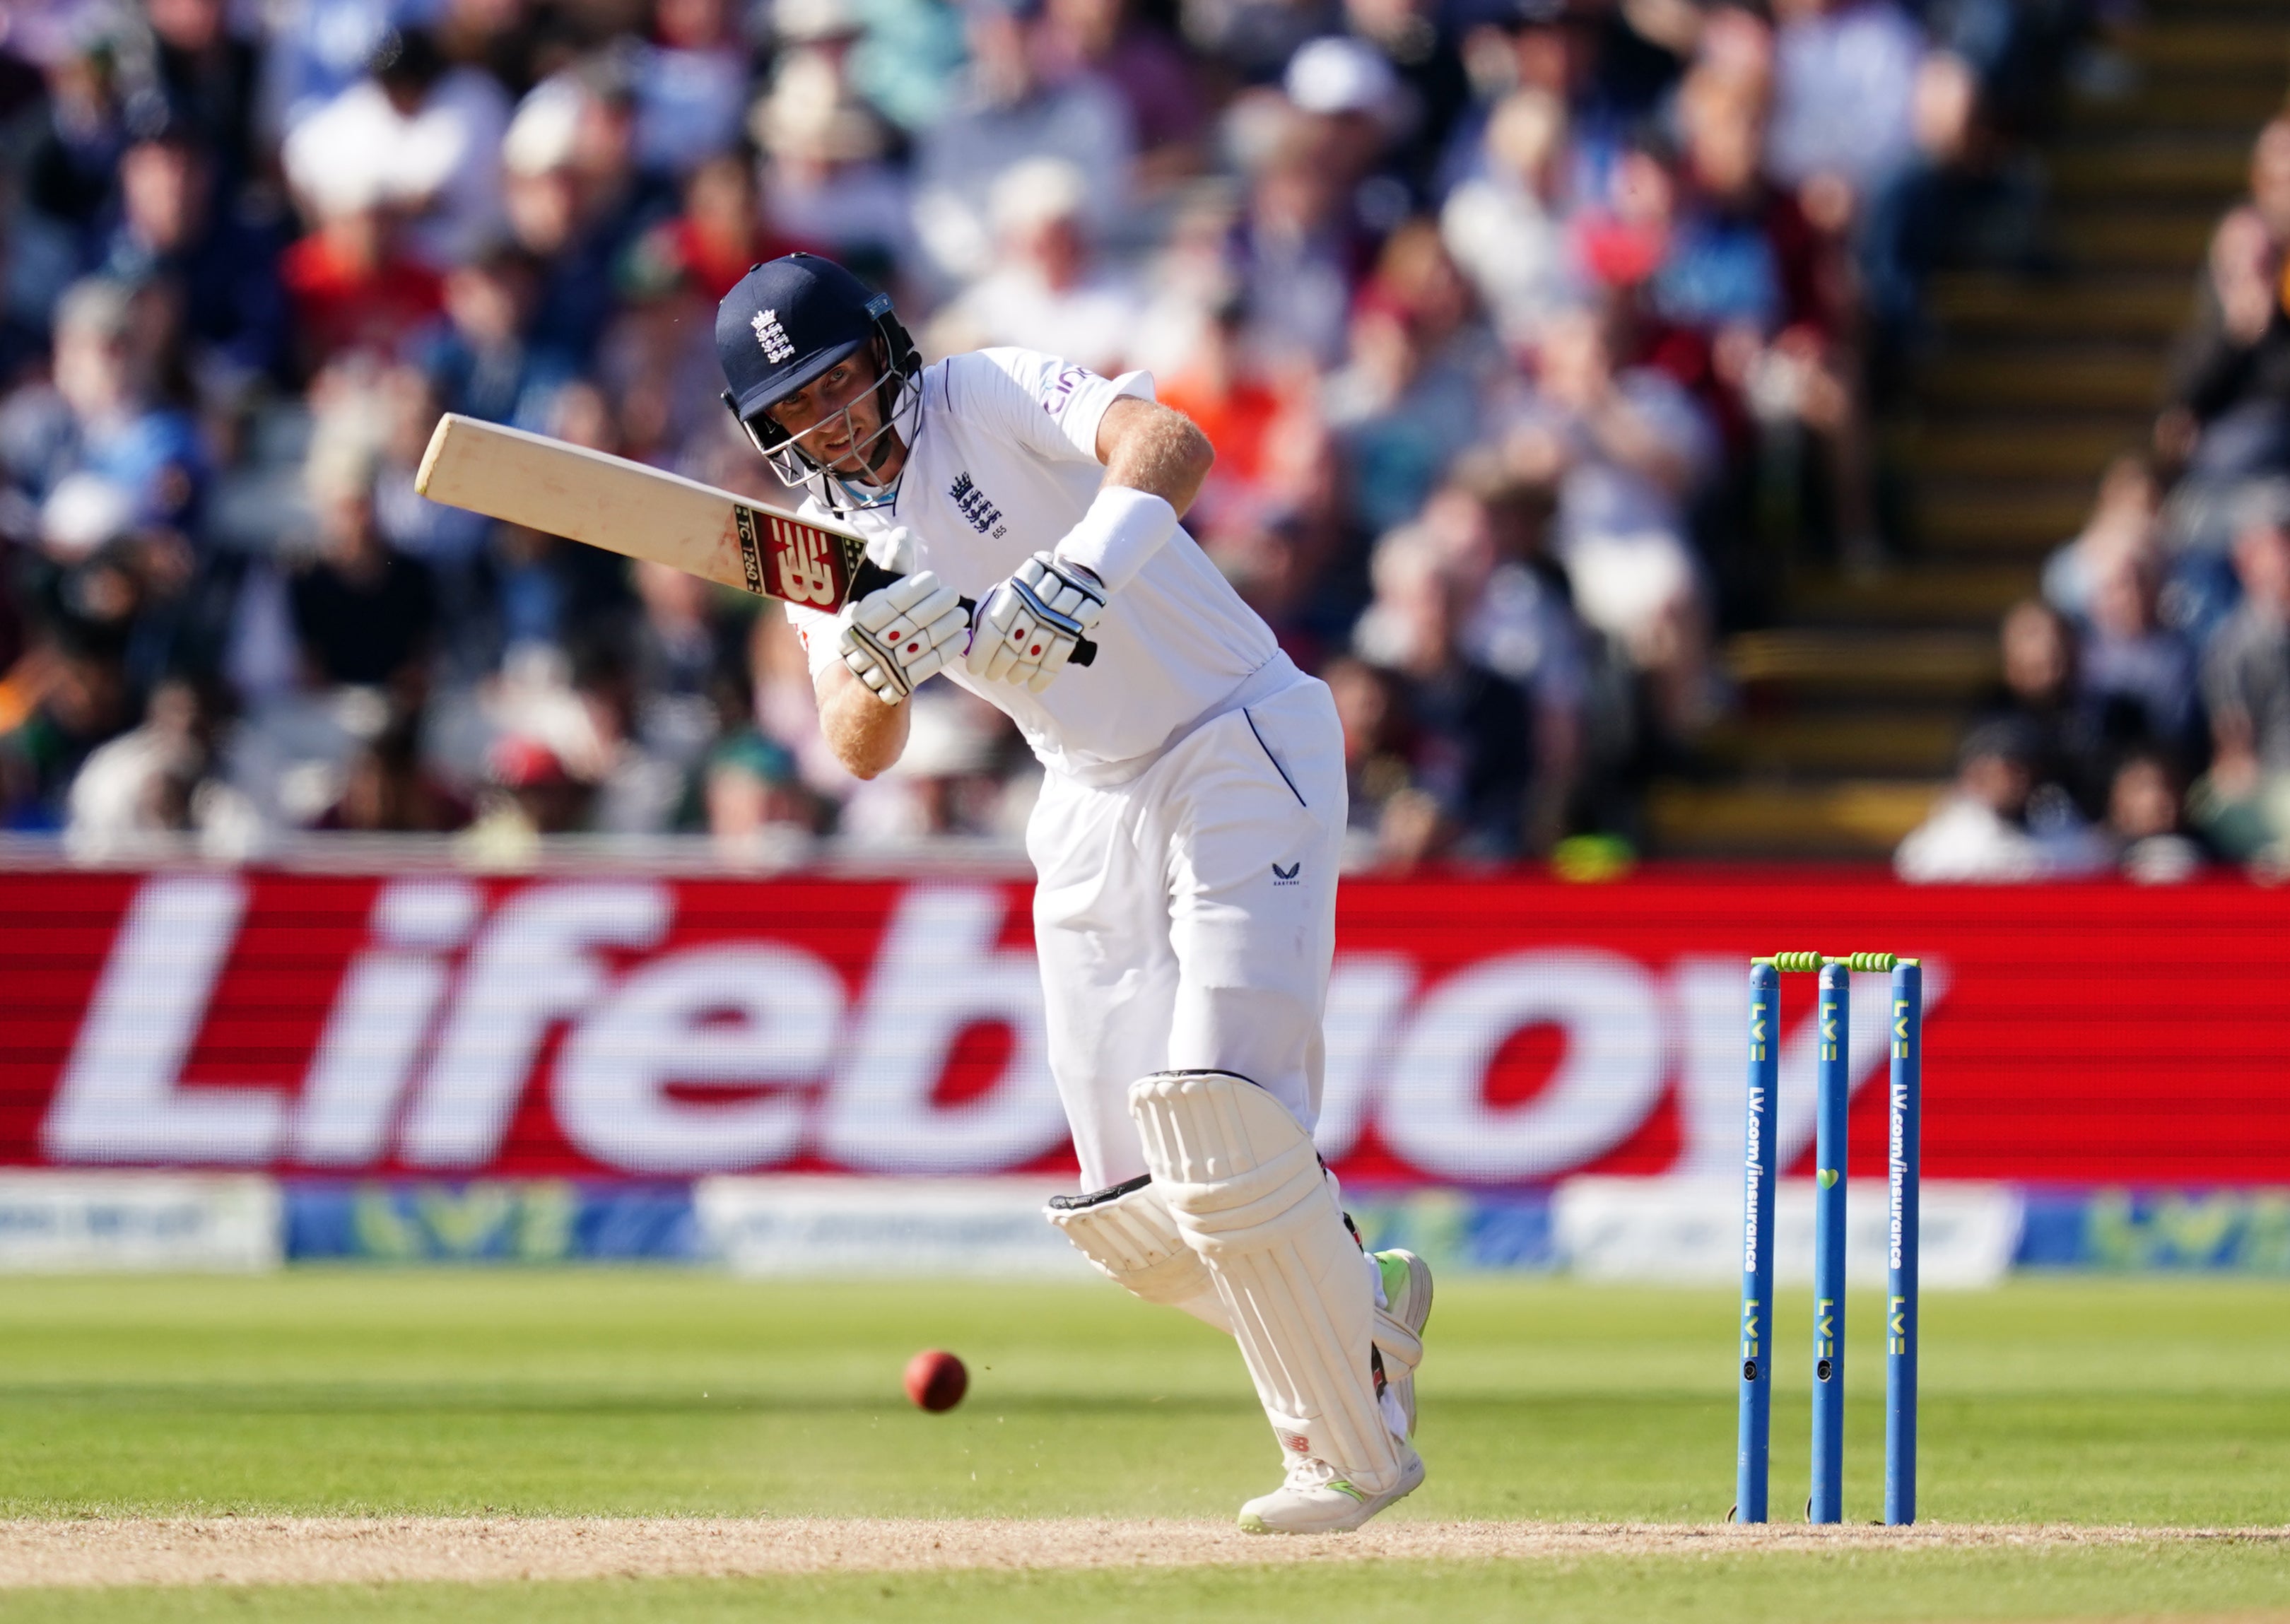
point(1186, 919)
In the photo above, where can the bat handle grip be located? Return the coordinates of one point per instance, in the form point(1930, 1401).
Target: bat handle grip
point(872, 577)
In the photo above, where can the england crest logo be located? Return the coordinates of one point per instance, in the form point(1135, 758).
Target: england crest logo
point(773, 337)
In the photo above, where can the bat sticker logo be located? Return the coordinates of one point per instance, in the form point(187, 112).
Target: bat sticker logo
point(806, 575)
point(751, 557)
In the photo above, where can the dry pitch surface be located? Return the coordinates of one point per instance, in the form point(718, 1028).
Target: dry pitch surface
point(369, 1550)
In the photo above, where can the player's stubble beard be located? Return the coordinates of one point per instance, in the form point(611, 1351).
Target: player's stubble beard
point(875, 453)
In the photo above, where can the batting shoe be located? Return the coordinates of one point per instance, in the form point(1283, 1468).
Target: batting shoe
point(1399, 1327)
point(1317, 1499)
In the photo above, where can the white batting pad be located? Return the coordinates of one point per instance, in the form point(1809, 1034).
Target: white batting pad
point(1130, 1234)
point(1248, 1194)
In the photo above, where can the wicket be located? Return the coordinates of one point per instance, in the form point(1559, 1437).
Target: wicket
point(1832, 1083)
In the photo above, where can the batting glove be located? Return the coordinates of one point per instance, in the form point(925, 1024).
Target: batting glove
point(1028, 627)
point(897, 636)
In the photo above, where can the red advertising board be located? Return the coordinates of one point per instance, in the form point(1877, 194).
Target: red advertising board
point(1482, 1028)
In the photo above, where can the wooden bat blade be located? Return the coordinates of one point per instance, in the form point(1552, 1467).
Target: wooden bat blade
point(640, 512)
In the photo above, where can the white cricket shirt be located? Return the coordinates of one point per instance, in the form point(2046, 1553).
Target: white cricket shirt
point(1003, 464)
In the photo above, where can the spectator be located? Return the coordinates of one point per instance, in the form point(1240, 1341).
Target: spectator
point(1298, 250)
point(484, 360)
point(2242, 805)
point(423, 136)
point(387, 789)
point(103, 419)
point(1046, 293)
point(2137, 676)
point(362, 614)
point(1506, 225)
point(1354, 110)
point(758, 814)
point(217, 268)
point(637, 784)
point(1433, 87)
point(1627, 449)
point(1472, 749)
point(2038, 694)
point(1157, 81)
point(208, 75)
point(1845, 75)
point(320, 49)
point(827, 184)
point(1393, 824)
point(1493, 527)
point(1020, 105)
point(691, 85)
point(528, 795)
point(352, 287)
point(2233, 369)
point(720, 233)
point(574, 198)
point(1980, 831)
point(2144, 819)
point(159, 780)
point(83, 700)
point(2123, 519)
point(74, 150)
point(1409, 396)
point(449, 541)
point(1957, 201)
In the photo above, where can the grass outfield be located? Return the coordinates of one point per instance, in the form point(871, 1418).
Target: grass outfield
point(648, 1394)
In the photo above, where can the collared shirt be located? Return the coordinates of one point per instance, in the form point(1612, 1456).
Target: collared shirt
point(1004, 465)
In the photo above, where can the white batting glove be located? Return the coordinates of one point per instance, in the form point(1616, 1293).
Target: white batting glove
point(1028, 627)
point(895, 637)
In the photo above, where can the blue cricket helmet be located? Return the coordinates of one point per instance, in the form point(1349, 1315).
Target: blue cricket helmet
point(787, 322)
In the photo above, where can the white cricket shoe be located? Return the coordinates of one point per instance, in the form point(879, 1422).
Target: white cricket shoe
point(1317, 1499)
point(1399, 1325)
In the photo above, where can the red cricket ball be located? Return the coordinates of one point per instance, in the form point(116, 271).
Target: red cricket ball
point(936, 1380)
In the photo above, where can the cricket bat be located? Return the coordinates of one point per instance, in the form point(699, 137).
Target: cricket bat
point(640, 512)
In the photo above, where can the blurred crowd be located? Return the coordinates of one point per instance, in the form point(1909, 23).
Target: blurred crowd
point(1534, 336)
point(2143, 715)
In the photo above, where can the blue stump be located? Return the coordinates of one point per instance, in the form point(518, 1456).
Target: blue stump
point(1832, 1090)
point(1754, 1443)
point(1904, 1117)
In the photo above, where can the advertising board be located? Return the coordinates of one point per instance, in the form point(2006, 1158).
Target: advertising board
point(1483, 1030)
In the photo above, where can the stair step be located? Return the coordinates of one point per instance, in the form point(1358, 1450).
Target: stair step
point(2177, 105)
point(1866, 743)
point(2109, 308)
point(2032, 447)
point(1896, 665)
point(2170, 170)
point(2134, 239)
point(2082, 379)
point(1928, 592)
point(1989, 518)
point(1862, 818)
point(2235, 49)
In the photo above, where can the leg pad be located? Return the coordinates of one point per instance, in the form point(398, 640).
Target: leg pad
point(1131, 1237)
point(1248, 1194)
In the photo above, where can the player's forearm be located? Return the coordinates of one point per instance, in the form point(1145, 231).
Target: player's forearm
point(1148, 447)
point(865, 735)
point(1155, 460)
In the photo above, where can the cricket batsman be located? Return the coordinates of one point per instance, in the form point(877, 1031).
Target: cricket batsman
point(1186, 839)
